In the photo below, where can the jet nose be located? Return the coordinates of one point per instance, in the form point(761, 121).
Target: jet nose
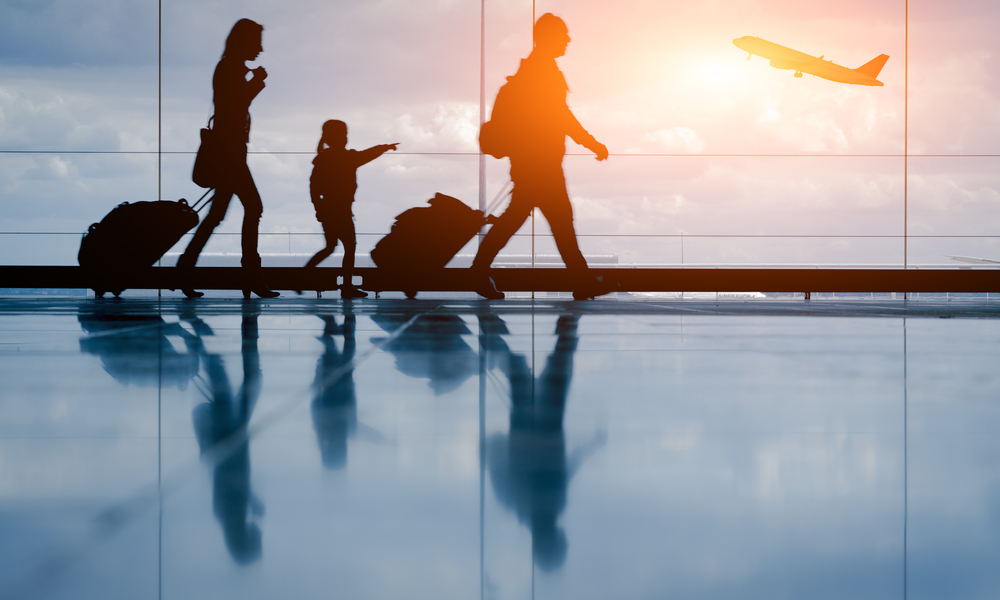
point(738, 42)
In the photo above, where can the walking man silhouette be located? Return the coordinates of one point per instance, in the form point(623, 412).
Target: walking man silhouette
point(544, 121)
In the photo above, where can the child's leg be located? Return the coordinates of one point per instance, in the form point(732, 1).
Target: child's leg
point(331, 245)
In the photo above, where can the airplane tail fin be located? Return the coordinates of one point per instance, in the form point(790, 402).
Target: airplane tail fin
point(873, 67)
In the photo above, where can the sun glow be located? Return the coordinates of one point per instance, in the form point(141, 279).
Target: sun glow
point(716, 73)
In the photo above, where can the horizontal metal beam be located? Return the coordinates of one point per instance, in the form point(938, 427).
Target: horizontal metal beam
point(524, 279)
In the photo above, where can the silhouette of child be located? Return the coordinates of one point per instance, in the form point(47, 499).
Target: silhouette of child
point(332, 186)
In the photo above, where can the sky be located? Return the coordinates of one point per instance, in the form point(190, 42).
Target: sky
point(647, 78)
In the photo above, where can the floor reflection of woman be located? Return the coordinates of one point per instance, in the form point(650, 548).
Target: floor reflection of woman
point(233, 93)
point(220, 426)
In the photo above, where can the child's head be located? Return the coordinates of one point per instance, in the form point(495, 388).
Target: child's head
point(334, 135)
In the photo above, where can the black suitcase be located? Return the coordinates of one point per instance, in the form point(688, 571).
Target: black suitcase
point(133, 236)
point(427, 237)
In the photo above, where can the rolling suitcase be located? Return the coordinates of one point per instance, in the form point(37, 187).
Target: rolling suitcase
point(132, 237)
point(426, 238)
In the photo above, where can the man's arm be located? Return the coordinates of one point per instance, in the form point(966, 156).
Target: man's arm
point(582, 136)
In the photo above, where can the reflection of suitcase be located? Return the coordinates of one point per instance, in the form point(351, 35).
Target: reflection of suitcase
point(132, 236)
point(426, 238)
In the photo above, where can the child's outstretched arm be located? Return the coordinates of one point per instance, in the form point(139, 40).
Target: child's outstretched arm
point(366, 156)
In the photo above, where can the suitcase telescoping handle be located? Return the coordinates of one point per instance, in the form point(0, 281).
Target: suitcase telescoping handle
point(198, 202)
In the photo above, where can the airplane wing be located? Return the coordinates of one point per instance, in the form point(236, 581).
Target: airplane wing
point(973, 260)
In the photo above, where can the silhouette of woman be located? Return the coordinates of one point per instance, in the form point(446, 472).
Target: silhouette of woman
point(233, 94)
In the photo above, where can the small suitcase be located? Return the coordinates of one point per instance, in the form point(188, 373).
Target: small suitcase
point(426, 238)
point(132, 236)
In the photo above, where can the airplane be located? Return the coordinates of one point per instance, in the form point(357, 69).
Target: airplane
point(786, 58)
point(974, 260)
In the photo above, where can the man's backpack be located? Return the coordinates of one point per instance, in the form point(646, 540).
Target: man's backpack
point(504, 132)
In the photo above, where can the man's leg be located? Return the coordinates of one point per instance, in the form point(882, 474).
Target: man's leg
point(496, 238)
point(559, 213)
point(502, 230)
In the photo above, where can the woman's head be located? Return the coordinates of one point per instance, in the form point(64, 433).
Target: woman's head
point(334, 135)
point(245, 40)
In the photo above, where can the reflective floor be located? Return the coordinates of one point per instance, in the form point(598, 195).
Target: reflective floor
point(461, 449)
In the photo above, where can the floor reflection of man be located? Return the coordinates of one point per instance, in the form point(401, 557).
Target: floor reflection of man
point(334, 407)
point(529, 468)
point(220, 425)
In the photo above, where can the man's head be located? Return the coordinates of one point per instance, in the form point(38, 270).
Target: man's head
point(551, 35)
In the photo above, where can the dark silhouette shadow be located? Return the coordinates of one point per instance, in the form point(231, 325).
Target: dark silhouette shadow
point(535, 118)
point(134, 349)
point(529, 468)
point(432, 348)
point(332, 185)
point(232, 95)
point(220, 426)
point(335, 404)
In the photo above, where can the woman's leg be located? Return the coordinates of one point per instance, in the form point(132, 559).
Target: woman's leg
point(253, 209)
point(216, 212)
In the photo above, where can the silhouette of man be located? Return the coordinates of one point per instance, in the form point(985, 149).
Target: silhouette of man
point(536, 166)
point(529, 468)
point(335, 404)
point(233, 94)
point(224, 417)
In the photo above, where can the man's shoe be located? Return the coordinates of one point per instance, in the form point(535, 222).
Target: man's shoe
point(349, 291)
point(487, 289)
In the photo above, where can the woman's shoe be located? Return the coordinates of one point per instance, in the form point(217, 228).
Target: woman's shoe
point(253, 281)
point(190, 293)
point(349, 291)
point(262, 291)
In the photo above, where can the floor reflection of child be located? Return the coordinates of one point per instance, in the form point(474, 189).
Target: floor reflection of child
point(332, 186)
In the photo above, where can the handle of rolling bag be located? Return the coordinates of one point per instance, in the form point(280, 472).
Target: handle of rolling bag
point(198, 202)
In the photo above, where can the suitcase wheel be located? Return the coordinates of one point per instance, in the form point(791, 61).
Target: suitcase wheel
point(410, 294)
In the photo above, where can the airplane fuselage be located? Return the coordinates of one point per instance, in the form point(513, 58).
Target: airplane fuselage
point(800, 62)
